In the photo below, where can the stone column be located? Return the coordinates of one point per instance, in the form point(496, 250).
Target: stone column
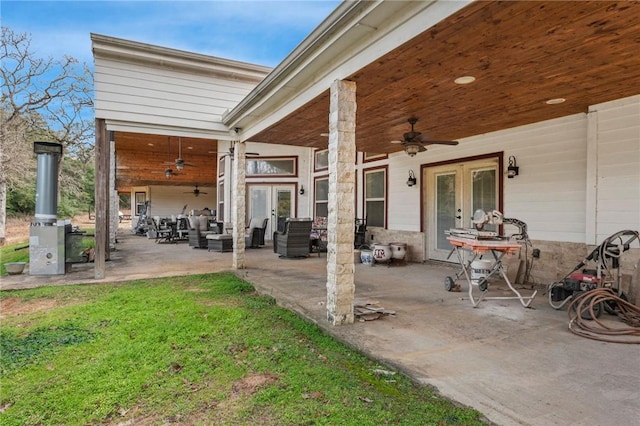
point(340, 226)
point(238, 203)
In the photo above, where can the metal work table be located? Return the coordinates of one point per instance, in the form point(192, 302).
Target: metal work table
point(479, 247)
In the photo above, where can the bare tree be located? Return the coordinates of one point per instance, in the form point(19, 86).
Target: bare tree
point(42, 99)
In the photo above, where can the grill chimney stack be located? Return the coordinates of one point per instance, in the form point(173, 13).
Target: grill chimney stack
point(47, 182)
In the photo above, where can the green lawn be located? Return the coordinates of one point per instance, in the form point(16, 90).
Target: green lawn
point(202, 349)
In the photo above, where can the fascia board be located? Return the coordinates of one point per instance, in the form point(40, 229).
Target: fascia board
point(110, 47)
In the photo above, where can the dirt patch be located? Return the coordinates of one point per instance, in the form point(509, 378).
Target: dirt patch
point(253, 382)
point(14, 306)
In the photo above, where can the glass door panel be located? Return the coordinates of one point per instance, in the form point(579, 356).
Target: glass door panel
point(272, 202)
point(452, 193)
point(445, 208)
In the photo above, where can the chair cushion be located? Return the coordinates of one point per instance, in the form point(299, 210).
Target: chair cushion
point(256, 222)
point(193, 222)
point(219, 236)
point(204, 225)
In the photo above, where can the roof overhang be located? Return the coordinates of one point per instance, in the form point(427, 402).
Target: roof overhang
point(405, 56)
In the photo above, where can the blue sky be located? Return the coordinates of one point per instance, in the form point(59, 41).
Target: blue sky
point(259, 32)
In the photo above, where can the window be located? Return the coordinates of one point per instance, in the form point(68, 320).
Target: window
point(221, 201)
point(272, 166)
point(322, 197)
point(372, 156)
point(375, 197)
point(321, 160)
point(221, 166)
point(141, 199)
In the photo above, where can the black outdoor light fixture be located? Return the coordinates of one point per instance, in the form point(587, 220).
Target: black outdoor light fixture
point(412, 179)
point(301, 192)
point(512, 169)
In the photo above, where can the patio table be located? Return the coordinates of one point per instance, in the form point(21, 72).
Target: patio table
point(498, 248)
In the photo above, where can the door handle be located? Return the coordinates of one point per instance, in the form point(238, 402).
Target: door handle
point(458, 217)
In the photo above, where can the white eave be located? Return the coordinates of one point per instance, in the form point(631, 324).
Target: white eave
point(116, 48)
point(351, 37)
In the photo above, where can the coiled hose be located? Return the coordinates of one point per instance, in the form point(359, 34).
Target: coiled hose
point(586, 306)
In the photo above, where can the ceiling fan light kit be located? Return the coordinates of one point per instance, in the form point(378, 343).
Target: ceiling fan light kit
point(412, 149)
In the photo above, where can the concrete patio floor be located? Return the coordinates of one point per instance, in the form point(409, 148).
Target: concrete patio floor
point(517, 366)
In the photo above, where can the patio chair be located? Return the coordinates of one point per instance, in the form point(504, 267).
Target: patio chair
point(198, 231)
point(294, 241)
point(254, 237)
point(360, 232)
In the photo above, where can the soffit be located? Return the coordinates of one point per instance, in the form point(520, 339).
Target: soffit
point(521, 53)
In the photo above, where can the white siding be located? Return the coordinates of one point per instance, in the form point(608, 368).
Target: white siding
point(549, 193)
point(169, 200)
point(562, 190)
point(160, 96)
point(618, 166)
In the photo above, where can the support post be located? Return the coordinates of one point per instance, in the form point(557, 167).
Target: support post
point(238, 204)
point(103, 158)
point(341, 219)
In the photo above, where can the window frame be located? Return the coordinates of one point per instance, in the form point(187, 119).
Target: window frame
point(315, 194)
point(373, 157)
point(293, 159)
point(316, 155)
point(138, 205)
point(384, 169)
point(220, 199)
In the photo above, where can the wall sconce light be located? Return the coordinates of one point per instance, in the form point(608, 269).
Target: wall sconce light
point(412, 179)
point(512, 170)
point(301, 192)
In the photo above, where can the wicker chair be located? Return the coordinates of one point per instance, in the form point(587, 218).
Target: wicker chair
point(198, 231)
point(254, 237)
point(294, 241)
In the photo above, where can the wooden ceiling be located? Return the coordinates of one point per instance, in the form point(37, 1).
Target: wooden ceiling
point(522, 53)
point(141, 159)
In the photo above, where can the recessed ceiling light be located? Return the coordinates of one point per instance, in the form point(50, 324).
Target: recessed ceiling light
point(465, 79)
point(189, 147)
point(211, 152)
point(150, 144)
point(555, 101)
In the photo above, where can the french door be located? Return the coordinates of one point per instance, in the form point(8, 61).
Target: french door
point(452, 193)
point(271, 201)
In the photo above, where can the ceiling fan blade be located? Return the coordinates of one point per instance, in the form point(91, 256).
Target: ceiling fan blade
point(428, 142)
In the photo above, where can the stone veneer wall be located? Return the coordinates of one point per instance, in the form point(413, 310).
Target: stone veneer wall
point(414, 241)
point(556, 260)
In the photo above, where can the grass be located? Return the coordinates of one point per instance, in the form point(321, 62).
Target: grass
point(202, 349)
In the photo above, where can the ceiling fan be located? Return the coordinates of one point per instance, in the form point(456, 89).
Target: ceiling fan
point(413, 142)
point(179, 162)
point(196, 192)
point(168, 173)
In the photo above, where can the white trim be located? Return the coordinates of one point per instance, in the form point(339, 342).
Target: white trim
point(591, 179)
